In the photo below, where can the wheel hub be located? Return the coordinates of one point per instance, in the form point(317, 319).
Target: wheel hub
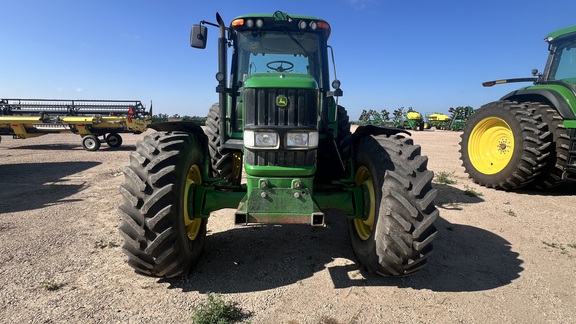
point(237, 165)
point(491, 145)
point(365, 224)
point(193, 178)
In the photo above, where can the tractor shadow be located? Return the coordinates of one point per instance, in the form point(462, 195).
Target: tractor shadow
point(73, 147)
point(567, 188)
point(252, 259)
point(49, 147)
point(28, 186)
point(450, 197)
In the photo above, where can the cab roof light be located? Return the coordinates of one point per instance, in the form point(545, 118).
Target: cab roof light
point(238, 22)
point(323, 25)
point(247, 22)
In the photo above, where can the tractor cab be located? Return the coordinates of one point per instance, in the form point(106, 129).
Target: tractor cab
point(561, 65)
point(284, 58)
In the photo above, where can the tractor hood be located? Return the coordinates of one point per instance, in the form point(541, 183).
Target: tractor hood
point(281, 80)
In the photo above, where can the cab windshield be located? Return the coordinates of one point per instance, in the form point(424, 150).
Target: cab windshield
point(266, 51)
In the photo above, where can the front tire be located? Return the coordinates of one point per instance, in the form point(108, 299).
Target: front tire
point(394, 236)
point(503, 146)
point(161, 236)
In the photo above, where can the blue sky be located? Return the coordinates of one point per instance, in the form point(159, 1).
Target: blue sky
point(429, 55)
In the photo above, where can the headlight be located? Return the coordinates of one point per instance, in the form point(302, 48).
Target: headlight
point(302, 140)
point(260, 139)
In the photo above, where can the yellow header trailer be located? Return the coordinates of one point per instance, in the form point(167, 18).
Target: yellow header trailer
point(25, 118)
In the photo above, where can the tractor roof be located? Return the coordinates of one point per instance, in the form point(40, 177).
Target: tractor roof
point(285, 19)
point(559, 34)
point(268, 15)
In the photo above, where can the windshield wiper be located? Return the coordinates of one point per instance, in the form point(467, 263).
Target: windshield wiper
point(295, 41)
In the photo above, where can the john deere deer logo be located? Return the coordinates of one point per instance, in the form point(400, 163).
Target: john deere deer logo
point(281, 101)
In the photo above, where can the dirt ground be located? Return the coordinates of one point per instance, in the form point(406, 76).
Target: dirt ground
point(499, 257)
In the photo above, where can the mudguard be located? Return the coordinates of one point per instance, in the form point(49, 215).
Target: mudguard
point(367, 130)
point(189, 127)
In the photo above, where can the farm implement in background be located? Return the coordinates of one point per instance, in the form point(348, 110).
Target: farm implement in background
point(459, 117)
point(409, 119)
point(456, 121)
point(438, 121)
point(26, 118)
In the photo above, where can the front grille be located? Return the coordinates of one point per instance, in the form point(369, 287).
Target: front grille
point(261, 111)
point(280, 158)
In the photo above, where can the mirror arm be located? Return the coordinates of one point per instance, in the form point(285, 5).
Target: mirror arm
point(204, 22)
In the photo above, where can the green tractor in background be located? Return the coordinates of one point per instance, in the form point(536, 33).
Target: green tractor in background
point(528, 137)
point(279, 121)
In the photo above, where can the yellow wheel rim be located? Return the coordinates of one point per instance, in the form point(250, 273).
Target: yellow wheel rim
point(237, 165)
point(364, 225)
point(491, 145)
point(193, 178)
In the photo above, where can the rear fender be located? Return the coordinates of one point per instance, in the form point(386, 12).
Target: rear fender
point(184, 126)
point(367, 130)
point(189, 127)
point(554, 98)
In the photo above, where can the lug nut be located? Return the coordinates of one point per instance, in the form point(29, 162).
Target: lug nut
point(263, 194)
point(297, 195)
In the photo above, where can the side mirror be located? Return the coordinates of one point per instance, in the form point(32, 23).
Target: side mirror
point(337, 91)
point(198, 36)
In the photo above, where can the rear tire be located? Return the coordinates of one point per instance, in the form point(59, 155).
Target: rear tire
point(160, 239)
point(227, 166)
point(553, 172)
point(395, 235)
point(344, 138)
point(503, 146)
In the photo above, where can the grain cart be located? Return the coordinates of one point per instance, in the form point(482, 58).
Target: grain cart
point(26, 118)
point(528, 137)
point(278, 119)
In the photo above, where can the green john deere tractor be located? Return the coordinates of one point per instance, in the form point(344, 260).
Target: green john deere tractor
point(528, 137)
point(279, 121)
